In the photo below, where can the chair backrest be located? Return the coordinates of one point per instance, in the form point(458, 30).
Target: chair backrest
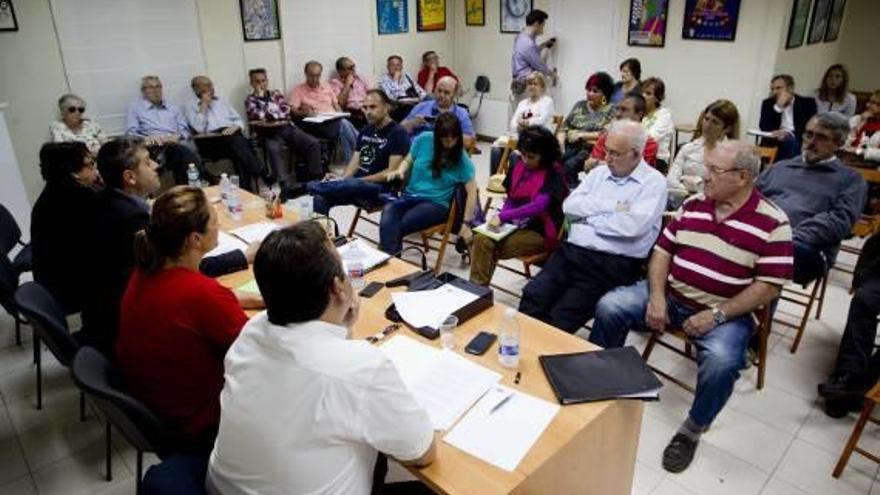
point(102, 383)
point(10, 233)
point(47, 319)
point(768, 155)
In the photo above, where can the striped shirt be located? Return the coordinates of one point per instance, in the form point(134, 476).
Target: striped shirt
point(714, 261)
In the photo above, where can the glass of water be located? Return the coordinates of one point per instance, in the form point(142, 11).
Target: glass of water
point(447, 332)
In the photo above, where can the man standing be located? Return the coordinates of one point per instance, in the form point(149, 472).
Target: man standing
point(334, 402)
point(822, 196)
point(218, 132)
point(164, 129)
point(381, 146)
point(785, 114)
point(313, 97)
point(726, 253)
point(615, 218)
point(269, 116)
point(528, 55)
point(350, 90)
point(631, 107)
point(421, 118)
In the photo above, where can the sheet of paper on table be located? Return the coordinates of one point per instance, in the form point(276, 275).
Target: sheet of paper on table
point(503, 437)
point(759, 133)
point(443, 382)
point(370, 256)
point(428, 308)
point(326, 116)
point(255, 232)
point(226, 244)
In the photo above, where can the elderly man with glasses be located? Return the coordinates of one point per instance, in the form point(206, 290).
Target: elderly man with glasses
point(725, 253)
point(822, 196)
point(615, 218)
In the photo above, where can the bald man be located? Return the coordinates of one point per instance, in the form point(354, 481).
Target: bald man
point(615, 219)
point(423, 115)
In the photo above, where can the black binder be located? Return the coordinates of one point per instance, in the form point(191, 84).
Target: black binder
point(600, 375)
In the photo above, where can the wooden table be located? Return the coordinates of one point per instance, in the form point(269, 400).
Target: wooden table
point(587, 448)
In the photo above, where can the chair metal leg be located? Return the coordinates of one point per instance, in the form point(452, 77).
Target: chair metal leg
point(140, 471)
point(822, 297)
point(853, 438)
point(39, 362)
point(354, 222)
point(82, 407)
point(108, 451)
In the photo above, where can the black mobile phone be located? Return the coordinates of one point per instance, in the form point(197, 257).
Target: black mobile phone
point(371, 289)
point(481, 343)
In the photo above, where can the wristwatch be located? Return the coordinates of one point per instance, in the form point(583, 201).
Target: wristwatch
point(718, 315)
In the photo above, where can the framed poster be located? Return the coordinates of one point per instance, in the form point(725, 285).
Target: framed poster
point(392, 16)
point(819, 22)
point(259, 20)
point(513, 14)
point(475, 12)
point(8, 22)
point(431, 15)
point(713, 20)
point(836, 20)
point(647, 23)
point(797, 26)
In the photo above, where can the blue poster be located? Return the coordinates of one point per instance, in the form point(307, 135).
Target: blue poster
point(392, 16)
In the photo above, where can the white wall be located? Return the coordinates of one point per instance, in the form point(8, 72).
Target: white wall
point(858, 42)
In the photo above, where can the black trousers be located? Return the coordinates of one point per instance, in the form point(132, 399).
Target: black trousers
point(564, 294)
point(401, 488)
point(238, 149)
point(176, 157)
point(304, 146)
point(856, 355)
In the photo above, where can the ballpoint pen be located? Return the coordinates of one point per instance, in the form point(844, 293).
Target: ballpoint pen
point(503, 401)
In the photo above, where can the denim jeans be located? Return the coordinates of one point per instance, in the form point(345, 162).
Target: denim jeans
point(344, 192)
point(720, 351)
point(405, 216)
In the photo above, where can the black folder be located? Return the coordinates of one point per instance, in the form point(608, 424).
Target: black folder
point(600, 375)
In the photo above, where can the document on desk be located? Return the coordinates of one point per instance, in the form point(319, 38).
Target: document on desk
point(759, 133)
point(326, 116)
point(443, 382)
point(504, 436)
point(370, 256)
point(255, 232)
point(428, 308)
point(226, 244)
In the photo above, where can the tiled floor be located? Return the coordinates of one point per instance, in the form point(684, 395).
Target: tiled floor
point(773, 442)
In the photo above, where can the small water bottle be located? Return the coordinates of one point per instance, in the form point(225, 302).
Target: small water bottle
point(233, 203)
point(354, 262)
point(192, 176)
point(224, 186)
point(508, 349)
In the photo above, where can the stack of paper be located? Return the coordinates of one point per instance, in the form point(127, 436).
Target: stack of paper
point(226, 244)
point(428, 308)
point(255, 232)
point(370, 256)
point(759, 133)
point(325, 116)
point(442, 382)
point(504, 230)
point(502, 435)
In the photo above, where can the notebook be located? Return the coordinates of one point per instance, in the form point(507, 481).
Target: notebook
point(503, 231)
point(600, 375)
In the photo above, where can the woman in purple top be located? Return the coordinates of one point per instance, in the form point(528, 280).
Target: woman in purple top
point(535, 190)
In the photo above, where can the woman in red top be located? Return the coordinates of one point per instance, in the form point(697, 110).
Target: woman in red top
point(176, 324)
point(432, 71)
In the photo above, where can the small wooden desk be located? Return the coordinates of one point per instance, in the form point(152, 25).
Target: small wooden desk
point(587, 448)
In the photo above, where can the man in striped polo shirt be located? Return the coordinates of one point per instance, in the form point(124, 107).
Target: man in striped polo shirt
point(725, 253)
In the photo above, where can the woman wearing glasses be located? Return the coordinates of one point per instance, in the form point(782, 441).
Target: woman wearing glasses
point(73, 126)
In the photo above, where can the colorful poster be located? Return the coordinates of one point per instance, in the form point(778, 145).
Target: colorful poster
point(431, 15)
point(713, 20)
point(835, 21)
point(819, 23)
point(475, 12)
point(797, 26)
point(647, 22)
point(392, 16)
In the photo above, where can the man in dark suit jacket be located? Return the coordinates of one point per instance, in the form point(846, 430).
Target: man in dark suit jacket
point(119, 212)
point(785, 114)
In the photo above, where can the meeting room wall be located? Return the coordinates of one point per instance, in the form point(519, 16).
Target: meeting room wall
point(858, 43)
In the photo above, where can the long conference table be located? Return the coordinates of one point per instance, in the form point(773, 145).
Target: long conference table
point(587, 448)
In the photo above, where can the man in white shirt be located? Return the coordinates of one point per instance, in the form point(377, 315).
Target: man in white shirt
point(305, 409)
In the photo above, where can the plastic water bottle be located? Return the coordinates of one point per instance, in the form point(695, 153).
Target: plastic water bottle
point(192, 176)
point(233, 203)
point(354, 262)
point(224, 186)
point(508, 349)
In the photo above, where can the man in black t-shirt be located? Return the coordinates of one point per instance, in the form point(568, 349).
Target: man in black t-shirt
point(381, 146)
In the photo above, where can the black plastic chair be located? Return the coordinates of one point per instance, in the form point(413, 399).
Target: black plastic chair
point(50, 326)
point(10, 236)
point(8, 286)
point(95, 376)
point(177, 475)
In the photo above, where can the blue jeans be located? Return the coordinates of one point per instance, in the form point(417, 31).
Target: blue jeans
point(720, 352)
point(404, 216)
point(344, 192)
point(347, 138)
point(788, 148)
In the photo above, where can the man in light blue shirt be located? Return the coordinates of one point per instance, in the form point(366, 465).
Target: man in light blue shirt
point(528, 55)
point(421, 118)
point(615, 217)
point(164, 129)
point(218, 133)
